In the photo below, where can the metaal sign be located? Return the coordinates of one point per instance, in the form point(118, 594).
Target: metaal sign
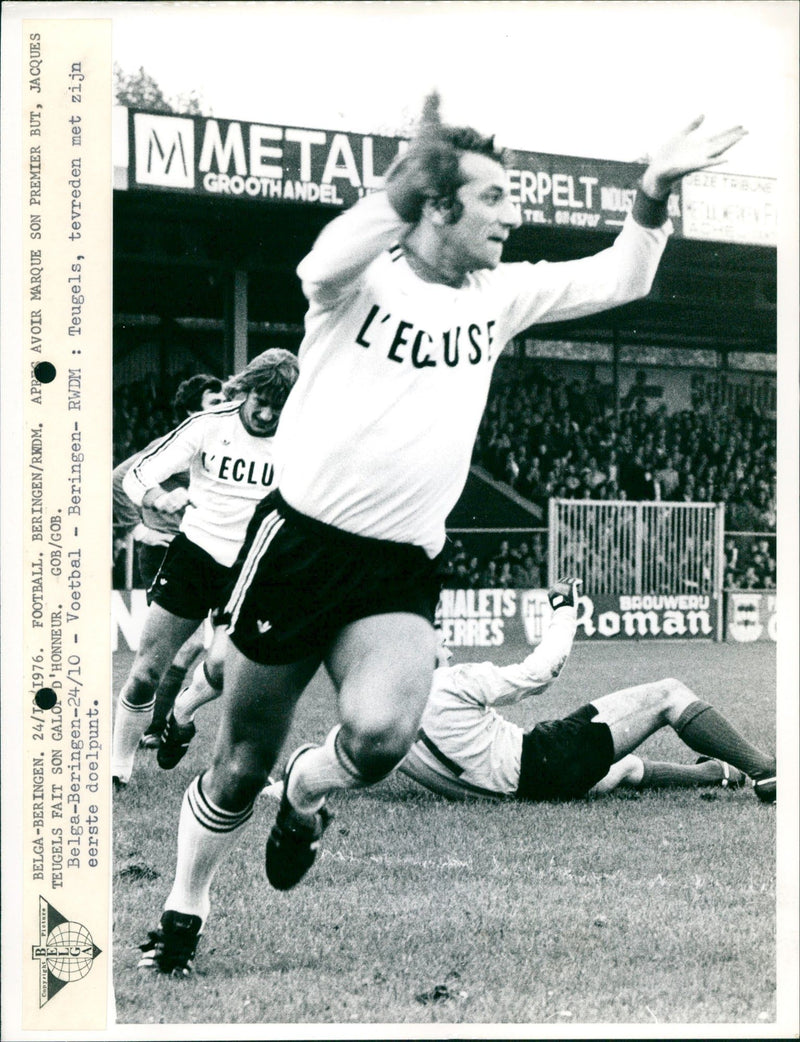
point(233, 158)
point(226, 157)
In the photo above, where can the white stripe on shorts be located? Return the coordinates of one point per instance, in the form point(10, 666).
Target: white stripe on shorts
point(267, 531)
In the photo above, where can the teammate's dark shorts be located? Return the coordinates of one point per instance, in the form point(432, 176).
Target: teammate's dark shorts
point(190, 583)
point(302, 581)
point(563, 759)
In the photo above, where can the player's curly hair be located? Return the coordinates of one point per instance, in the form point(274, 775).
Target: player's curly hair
point(440, 148)
point(272, 374)
point(461, 140)
point(189, 394)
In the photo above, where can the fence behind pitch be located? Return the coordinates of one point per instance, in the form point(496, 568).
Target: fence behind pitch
point(623, 548)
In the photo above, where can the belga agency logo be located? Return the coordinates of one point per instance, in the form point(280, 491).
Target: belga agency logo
point(65, 951)
point(164, 150)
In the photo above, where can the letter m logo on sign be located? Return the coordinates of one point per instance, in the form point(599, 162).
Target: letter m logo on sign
point(164, 149)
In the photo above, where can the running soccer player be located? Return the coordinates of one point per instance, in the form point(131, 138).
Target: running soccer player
point(409, 309)
point(229, 452)
point(152, 533)
point(466, 748)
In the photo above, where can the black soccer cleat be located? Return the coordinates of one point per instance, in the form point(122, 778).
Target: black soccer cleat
point(175, 739)
point(149, 740)
point(118, 784)
point(170, 949)
point(766, 789)
point(294, 839)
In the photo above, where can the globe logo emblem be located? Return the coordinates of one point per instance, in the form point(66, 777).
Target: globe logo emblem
point(70, 952)
point(65, 952)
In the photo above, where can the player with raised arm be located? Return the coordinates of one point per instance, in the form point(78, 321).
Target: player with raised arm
point(229, 452)
point(409, 309)
point(466, 748)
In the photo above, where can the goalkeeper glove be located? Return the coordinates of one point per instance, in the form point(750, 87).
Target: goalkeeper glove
point(565, 593)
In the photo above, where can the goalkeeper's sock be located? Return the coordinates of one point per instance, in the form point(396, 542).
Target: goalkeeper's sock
point(660, 775)
point(707, 731)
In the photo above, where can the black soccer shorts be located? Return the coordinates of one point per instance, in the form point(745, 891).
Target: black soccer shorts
point(563, 759)
point(301, 581)
point(190, 583)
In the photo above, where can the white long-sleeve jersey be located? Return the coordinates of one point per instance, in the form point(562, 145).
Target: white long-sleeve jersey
point(229, 472)
point(377, 433)
point(465, 744)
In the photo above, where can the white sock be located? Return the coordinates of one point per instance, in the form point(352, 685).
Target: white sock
point(130, 724)
point(206, 834)
point(319, 771)
point(195, 695)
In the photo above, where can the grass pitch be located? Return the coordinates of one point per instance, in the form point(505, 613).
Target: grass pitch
point(630, 908)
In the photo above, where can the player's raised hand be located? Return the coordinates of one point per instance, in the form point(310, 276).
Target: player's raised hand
point(688, 151)
point(565, 593)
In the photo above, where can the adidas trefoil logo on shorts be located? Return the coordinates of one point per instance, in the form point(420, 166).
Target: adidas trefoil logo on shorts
point(263, 627)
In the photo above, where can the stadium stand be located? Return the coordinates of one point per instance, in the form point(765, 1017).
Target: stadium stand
point(544, 438)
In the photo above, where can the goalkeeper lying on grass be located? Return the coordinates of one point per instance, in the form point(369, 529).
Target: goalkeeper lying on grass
point(466, 748)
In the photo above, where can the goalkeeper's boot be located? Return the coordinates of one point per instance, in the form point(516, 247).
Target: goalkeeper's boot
point(294, 839)
point(730, 777)
point(175, 739)
point(766, 788)
point(170, 949)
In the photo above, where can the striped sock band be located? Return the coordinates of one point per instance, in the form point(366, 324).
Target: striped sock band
point(206, 835)
point(132, 708)
point(209, 815)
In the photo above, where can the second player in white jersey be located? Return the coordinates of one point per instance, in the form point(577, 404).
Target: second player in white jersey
point(230, 470)
point(229, 454)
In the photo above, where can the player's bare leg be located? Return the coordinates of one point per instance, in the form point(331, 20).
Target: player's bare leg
point(206, 684)
point(635, 713)
point(382, 668)
point(162, 635)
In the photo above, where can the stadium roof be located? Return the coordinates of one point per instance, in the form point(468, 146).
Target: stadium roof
point(198, 199)
point(174, 255)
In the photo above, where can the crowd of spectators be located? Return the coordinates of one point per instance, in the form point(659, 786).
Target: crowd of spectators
point(750, 564)
point(546, 438)
point(521, 566)
point(143, 411)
